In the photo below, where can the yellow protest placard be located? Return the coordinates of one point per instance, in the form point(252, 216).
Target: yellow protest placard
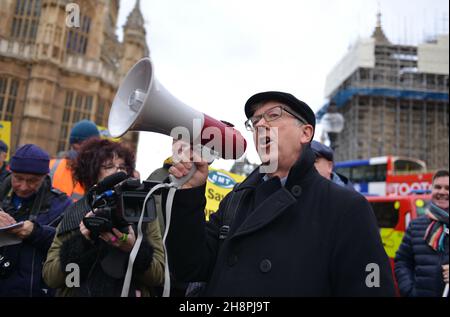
point(104, 133)
point(219, 184)
point(5, 134)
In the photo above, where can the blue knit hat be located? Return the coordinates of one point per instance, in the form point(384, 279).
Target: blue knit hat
point(31, 159)
point(83, 130)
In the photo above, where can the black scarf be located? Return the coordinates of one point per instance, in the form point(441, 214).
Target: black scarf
point(73, 216)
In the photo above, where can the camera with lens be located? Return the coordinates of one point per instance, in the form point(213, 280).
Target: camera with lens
point(117, 202)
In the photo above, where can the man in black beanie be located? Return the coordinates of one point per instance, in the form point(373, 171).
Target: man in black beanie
point(294, 233)
point(30, 211)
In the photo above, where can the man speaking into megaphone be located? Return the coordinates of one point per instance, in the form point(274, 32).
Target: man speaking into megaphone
point(285, 230)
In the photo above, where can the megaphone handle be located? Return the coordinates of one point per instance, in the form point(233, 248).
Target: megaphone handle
point(178, 182)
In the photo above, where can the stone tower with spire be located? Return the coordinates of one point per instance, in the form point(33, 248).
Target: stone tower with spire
point(134, 43)
point(394, 100)
point(53, 74)
point(134, 47)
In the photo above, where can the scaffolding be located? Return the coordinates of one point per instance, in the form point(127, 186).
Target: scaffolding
point(397, 107)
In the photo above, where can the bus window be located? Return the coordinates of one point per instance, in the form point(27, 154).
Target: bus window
point(403, 166)
point(345, 171)
point(368, 173)
point(386, 213)
point(359, 174)
point(381, 173)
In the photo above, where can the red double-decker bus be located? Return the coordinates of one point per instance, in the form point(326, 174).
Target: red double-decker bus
point(386, 175)
point(393, 214)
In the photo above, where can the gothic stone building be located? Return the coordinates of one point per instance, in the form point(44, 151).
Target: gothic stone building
point(53, 75)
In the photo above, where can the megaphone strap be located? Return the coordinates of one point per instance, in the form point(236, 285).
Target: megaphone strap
point(137, 244)
point(169, 202)
point(175, 184)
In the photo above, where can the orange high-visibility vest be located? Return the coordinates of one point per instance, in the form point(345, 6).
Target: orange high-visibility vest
point(62, 179)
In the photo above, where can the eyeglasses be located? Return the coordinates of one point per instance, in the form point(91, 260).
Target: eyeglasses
point(109, 167)
point(270, 115)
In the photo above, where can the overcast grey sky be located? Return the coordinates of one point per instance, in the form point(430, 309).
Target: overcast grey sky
point(214, 54)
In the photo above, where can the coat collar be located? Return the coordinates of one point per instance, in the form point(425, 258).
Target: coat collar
point(38, 203)
point(265, 213)
point(299, 175)
point(303, 170)
point(300, 172)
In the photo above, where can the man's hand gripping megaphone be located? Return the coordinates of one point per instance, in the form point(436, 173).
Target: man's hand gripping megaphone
point(190, 168)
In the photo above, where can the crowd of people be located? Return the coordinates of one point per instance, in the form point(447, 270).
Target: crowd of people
point(298, 230)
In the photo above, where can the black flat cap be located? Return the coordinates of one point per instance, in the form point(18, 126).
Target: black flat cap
point(295, 104)
point(321, 150)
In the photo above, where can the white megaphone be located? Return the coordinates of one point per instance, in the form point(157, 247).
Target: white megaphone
point(143, 104)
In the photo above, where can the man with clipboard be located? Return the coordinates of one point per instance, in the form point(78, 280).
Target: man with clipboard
point(30, 211)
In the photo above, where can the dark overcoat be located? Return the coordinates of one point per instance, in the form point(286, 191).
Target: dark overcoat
point(309, 237)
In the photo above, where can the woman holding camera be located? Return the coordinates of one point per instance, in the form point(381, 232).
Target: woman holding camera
point(82, 263)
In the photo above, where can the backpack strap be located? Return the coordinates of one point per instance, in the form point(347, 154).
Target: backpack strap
point(230, 211)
